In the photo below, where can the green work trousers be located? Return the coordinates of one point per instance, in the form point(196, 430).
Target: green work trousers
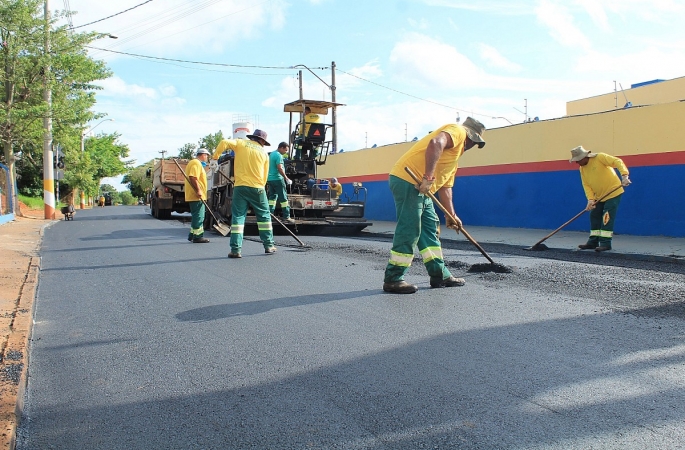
point(243, 198)
point(278, 195)
point(417, 225)
point(197, 220)
point(602, 220)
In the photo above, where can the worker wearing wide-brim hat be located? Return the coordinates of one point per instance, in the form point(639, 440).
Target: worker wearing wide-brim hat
point(603, 190)
point(251, 172)
point(435, 158)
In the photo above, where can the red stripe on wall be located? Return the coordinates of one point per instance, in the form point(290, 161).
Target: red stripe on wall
point(654, 159)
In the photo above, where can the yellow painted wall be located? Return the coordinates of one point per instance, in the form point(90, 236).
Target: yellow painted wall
point(634, 131)
point(663, 92)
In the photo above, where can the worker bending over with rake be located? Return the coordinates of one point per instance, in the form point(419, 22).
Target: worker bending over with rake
point(195, 192)
point(251, 171)
point(435, 156)
point(603, 190)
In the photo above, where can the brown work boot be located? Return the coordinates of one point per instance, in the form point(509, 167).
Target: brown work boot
point(270, 250)
point(602, 248)
point(587, 246)
point(234, 255)
point(202, 240)
point(400, 287)
point(447, 282)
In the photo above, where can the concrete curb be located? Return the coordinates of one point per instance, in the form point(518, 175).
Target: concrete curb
point(673, 259)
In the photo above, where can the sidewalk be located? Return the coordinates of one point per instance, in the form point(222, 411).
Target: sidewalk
point(652, 248)
point(19, 266)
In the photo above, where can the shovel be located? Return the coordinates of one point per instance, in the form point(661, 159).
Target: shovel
point(448, 214)
point(219, 225)
point(539, 246)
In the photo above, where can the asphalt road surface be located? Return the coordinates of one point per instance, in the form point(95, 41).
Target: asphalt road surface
point(143, 340)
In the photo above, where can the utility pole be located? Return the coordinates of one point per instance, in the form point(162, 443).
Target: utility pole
point(299, 77)
point(335, 113)
point(48, 170)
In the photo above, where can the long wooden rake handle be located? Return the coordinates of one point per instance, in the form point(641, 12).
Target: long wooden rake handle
point(573, 218)
point(272, 216)
point(449, 214)
point(201, 199)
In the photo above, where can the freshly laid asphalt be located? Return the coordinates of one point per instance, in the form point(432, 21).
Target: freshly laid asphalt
point(143, 340)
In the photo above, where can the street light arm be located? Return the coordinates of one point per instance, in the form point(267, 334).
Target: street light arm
point(83, 134)
point(99, 123)
point(310, 70)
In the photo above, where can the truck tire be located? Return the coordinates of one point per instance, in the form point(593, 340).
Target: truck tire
point(153, 207)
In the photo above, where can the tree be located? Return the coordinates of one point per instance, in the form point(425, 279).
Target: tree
point(23, 80)
point(127, 198)
point(103, 156)
point(187, 151)
point(211, 141)
point(137, 180)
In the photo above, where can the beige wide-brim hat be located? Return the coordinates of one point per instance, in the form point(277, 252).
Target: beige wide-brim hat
point(578, 153)
point(474, 130)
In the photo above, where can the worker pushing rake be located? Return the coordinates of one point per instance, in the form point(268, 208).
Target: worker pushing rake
point(434, 158)
point(603, 190)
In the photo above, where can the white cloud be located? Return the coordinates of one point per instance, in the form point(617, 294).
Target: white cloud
point(167, 90)
point(595, 10)
point(506, 7)
point(495, 59)
point(164, 28)
point(409, 60)
point(115, 86)
point(559, 21)
point(420, 24)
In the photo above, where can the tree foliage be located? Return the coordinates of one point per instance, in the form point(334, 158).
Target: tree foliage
point(137, 180)
point(23, 80)
point(187, 151)
point(211, 141)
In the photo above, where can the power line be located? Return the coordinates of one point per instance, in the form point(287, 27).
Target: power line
point(113, 15)
point(414, 96)
point(191, 62)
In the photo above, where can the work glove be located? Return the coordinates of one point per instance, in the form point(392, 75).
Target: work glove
point(625, 181)
point(213, 164)
point(288, 181)
point(590, 205)
point(425, 186)
point(455, 225)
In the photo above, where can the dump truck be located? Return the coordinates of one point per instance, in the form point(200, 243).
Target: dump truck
point(168, 184)
point(313, 206)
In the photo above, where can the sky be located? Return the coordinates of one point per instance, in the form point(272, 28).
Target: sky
point(403, 67)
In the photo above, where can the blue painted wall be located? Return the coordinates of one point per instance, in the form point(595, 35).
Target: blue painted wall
point(653, 205)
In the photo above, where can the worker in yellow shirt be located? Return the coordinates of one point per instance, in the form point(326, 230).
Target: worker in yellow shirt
point(336, 188)
point(435, 158)
point(305, 149)
point(196, 191)
point(251, 172)
point(600, 182)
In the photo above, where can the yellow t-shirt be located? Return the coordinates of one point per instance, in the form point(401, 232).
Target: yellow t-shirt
point(195, 169)
point(251, 161)
point(309, 119)
point(445, 170)
point(337, 189)
point(599, 177)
